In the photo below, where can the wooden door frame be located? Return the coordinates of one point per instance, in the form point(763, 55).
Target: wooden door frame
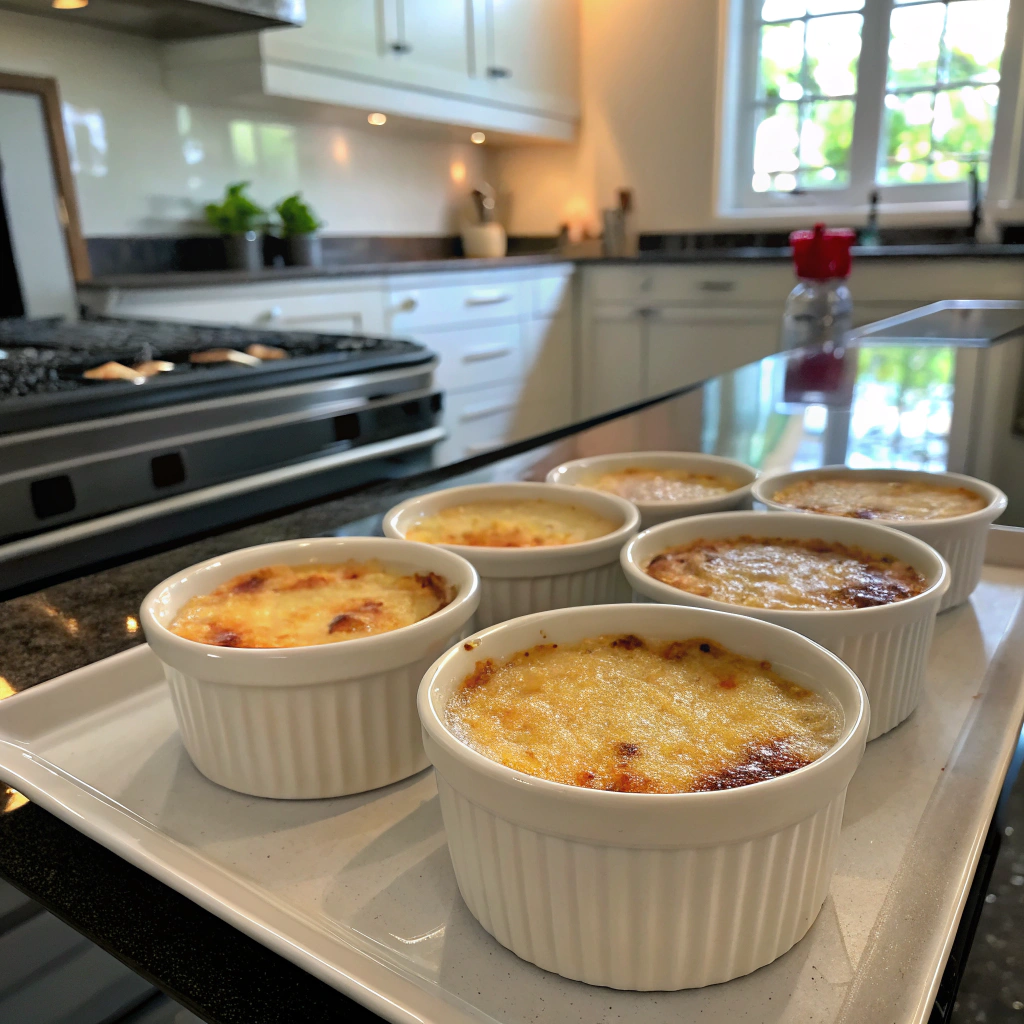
point(48, 92)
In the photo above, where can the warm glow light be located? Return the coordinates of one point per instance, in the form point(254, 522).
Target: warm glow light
point(131, 624)
point(378, 118)
point(339, 150)
point(457, 171)
point(6, 690)
point(478, 138)
point(69, 5)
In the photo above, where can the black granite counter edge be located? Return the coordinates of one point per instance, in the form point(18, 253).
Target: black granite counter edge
point(212, 278)
point(270, 275)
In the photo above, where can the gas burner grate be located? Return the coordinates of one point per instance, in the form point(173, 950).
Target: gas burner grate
point(49, 356)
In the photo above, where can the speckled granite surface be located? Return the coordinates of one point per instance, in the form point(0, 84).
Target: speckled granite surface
point(992, 988)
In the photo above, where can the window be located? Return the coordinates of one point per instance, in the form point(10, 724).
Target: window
point(833, 98)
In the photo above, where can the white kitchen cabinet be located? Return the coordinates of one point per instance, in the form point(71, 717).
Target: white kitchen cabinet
point(420, 59)
point(505, 341)
point(685, 346)
point(322, 305)
point(613, 359)
point(529, 51)
point(431, 35)
point(646, 331)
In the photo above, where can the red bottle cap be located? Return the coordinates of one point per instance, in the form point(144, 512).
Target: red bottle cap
point(823, 252)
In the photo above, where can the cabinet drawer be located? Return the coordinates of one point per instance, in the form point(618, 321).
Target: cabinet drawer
point(415, 309)
point(326, 310)
point(722, 284)
point(473, 356)
point(917, 282)
point(478, 421)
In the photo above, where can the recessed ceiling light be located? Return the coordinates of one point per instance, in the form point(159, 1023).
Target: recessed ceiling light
point(69, 5)
point(377, 118)
point(478, 138)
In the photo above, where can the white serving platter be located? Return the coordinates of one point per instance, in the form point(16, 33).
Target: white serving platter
point(360, 892)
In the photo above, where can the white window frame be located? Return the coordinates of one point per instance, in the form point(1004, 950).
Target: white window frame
point(736, 199)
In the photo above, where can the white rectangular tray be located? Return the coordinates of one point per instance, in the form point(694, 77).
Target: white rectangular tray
point(360, 892)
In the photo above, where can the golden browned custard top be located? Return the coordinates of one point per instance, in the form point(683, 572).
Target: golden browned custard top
point(648, 483)
point(305, 605)
point(895, 500)
point(516, 523)
point(641, 716)
point(781, 572)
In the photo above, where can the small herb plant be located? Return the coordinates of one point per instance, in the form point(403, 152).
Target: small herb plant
point(237, 214)
point(296, 217)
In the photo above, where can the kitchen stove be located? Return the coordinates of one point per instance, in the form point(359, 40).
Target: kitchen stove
point(157, 458)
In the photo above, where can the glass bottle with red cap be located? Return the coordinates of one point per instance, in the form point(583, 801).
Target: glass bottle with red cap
point(819, 309)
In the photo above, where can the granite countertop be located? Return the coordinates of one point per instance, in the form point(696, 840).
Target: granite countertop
point(204, 963)
point(199, 278)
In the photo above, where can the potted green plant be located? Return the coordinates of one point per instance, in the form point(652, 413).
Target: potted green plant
point(299, 226)
point(241, 222)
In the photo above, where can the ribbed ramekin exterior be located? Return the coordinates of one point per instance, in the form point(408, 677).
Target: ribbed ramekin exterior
point(303, 742)
point(891, 665)
point(641, 919)
point(964, 549)
point(503, 598)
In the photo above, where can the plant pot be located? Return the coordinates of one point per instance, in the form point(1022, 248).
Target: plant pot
point(303, 250)
point(244, 251)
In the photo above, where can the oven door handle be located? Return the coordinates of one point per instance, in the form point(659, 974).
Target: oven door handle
point(228, 489)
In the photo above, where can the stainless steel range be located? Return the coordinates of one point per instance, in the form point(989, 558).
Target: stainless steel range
point(151, 431)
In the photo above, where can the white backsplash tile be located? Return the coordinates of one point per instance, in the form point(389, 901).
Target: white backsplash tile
point(146, 163)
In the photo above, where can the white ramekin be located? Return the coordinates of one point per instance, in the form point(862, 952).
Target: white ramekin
point(518, 581)
point(654, 512)
point(960, 539)
point(306, 722)
point(643, 891)
point(886, 646)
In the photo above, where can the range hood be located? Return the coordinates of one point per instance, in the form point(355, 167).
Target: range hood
point(173, 19)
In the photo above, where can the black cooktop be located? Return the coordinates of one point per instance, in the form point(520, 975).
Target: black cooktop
point(42, 363)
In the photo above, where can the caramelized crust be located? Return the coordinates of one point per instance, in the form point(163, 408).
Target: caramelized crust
point(780, 572)
point(511, 524)
point(893, 500)
point(644, 483)
point(305, 605)
point(641, 716)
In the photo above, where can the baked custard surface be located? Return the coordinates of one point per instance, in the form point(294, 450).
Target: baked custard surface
point(306, 605)
point(648, 483)
point(894, 500)
point(782, 572)
point(641, 716)
point(517, 523)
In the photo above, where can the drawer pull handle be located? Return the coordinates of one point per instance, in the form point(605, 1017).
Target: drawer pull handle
point(717, 286)
point(270, 316)
point(406, 305)
point(478, 412)
point(478, 355)
point(487, 298)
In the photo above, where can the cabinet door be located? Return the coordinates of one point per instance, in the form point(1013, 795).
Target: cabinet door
point(349, 27)
point(430, 35)
point(613, 363)
point(547, 365)
point(532, 46)
point(685, 346)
